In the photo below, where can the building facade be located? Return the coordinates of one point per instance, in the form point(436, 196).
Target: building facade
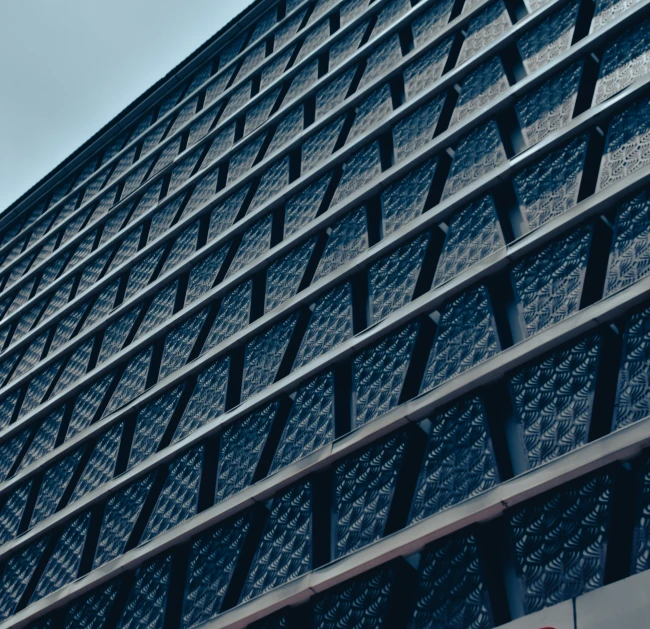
point(345, 323)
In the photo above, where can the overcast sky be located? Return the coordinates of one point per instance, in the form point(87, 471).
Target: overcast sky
point(68, 66)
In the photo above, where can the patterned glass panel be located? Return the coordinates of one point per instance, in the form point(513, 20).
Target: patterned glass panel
point(264, 355)
point(550, 106)
point(223, 215)
point(204, 274)
point(364, 486)
point(233, 316)
point(102, 306)
point(289, 128)
point(283, 276)
point(179, 497)
point(310, 425)
point(303, 207)
point(44, 438)
point(451, 590)
point(255, 242)
point(371, 111)
point(429, 24)
point(184, 246)
point(345, 47)
point(466, 336)
point(240, 449)
point(204, 190)
point(301, 82)
point(560, 541)
point(160, 310)
point(348, 239)
point(92, 610)
point(378, 374)
point(608, 10)
point(272, 181)
point(426, 70)
point(207, 401)
point(320, 146)
point(284, 552)
point(147, 600)
point(179, 343)
point(383, 59)
point(329, 325)
point(121, 512)
point(314, 39)
point(416, 130)
point(150, 425)
point(87, 404)
point(487, 26)
point(276, 68)
point(477, 154)
point(473, 234)
point(12, 510)
point(550, 186)
point(393, 278)
point(242, 161)
point(549, 283)
point(212, 562)
point(142, 273)
point(334, 92)
point(132, 382)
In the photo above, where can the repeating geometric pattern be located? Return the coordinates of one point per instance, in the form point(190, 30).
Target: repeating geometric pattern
point(272, 181)
point(121, 512)
point(283, 276)
point(458, 463)
point(560, 542)
point(240, 449)
point(213, 558)
point(302, 207)
point(302, 81)
point(329, 325)
point(451, 590)
point(629, 259)
point(413, 132)
point(550, 39)
point(318, 147)
point(608, 10)
point(385, 57)
point(352, 9)
point(183, 247)
point(550, 106)
point(256, 240)
point(243, 159)
point(54, 483)
point(549, 187)
point(132, 382)
point(179, 343)
point(63, 565)
point(87, 404)
point(142, 273)
point(549, 283)
point(466, 336)
point(288, 128)
point(371, 111)
point(487, 26)
point(310, 424)
point(346, 46)
point(91, 611)
point(626, 148)
point(179, 497)
point(204, 274)
point(361, 603)
point(263, 356)
point(44, 438)
point(347, 239)
point(392, 279)
point(224, 213)
point(17, 573)
point(207, 401)
point(554, 399)
point(12, 510)
point(334, 92)
point(259, 112)
point(101, 465)
point(477, 154)
point(390, 14)
point(160, 310)
point(378, 374)
point(150, 424)
point(641, 550)
point(116, 334)
point(358, 170)
point(479, 88)
point(472, 235)
point(364, 486)
point(284, 552)
point(147, 600)
point(233, 315)
point(427, 25)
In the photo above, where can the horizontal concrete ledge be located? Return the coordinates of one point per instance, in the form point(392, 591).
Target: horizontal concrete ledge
point(621, 445)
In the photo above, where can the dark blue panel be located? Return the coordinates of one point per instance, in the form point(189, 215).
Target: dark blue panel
point(75, 368)
point(334, 92)
point(44, 439)
point(63, 565)
point(285, 274)
point(346, 45)
point(629, 258)
point(151, 423)
point(288, 128)
point(184, 246)
point(458, 463)
point(102, 306)
point(550, 186)
point(141, 273)
point(364, 486)
point(276, 68)
point(160, 310)
point(371, 111)
point(213, 558)
point(320, 146)
point(148, 598)
point(302, 207)
point(263, 357)
point(91, 611)
point(87, 405)
point(549, 283)
point(204, 274)
point(483, 29)
point(101, 465)
point(179, 343)
point(466, 336)
point(179, 497)
point(385, 57)
point(271, 182)
point(412, 133)
point(240, 448)
point(116, 334)
point(560, 542)
point(317, 36)
point(451, 590)
point(641, 549)
point(259, 112)
point(233, 315)
point(12, 511)
point(379, 372)
point(330, 324)
point(284, 552)
point(302, 81)
point(241, 162)
point(202, 193)
point(358, 170)
point(473, 234)
point(207, 401)
point(391, 13)
point(255, 243)
point(120, 514)
point(132, 382)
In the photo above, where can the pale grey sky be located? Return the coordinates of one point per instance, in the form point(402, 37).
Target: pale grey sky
point(68, 66)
